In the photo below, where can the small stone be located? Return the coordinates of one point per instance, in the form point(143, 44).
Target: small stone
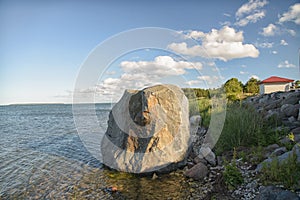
point(198, 172)
point(154, 176)
point(292, 119)
point(190, 164)
point(207, 154)
point(198, 160)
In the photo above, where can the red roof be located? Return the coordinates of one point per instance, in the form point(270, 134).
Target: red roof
point(276, 79)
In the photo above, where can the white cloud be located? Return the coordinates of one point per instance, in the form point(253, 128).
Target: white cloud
point(286, 64)
point(291, 32)
point(269, 30)
point(250, 12)
point(283, 42)
point(272, 30)
point(224, 44)
point(253, 18)
point(227, 15)
point(226, 23)
point(140, 74)
point(250, 7)
point(209, 79)
point(161, 66)
point(265, 45)
point(193, 82)
point(243, 72)
point(274, 52)
point(292, 15)
point(254, 76)
point(110, 72)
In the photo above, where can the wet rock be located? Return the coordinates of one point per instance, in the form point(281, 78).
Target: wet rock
point(275, 193)
point(198, 172)
point(148, 130)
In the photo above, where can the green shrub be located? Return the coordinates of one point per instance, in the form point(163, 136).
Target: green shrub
point(257, 154)
point(232, 175)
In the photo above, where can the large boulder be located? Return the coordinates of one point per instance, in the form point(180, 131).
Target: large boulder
point(148, 131)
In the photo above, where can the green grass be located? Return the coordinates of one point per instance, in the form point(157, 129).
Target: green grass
point(201, 106)
point(245, 127)
point(242, 127)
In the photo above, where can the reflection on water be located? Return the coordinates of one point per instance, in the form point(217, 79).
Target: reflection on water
point(42, 157)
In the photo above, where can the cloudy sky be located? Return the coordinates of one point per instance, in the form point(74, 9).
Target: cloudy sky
point(45, 44)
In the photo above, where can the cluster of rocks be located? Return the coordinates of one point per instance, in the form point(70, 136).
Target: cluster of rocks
point(283, 106)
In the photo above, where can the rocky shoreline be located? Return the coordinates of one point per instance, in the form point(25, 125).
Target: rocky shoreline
point(213, 185)
point(208, 170)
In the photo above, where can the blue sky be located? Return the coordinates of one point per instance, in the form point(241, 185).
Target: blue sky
point(43, 44)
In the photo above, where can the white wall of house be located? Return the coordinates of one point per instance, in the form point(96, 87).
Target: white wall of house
point(267, 88)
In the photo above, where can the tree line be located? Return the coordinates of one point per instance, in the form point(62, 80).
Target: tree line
point(233, 88)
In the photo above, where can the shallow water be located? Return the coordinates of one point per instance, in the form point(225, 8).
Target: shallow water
point(43, 157)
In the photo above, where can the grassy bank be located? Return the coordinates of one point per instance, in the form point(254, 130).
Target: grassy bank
point(245, 128)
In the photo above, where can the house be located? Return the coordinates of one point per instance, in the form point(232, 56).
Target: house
point(274, 84)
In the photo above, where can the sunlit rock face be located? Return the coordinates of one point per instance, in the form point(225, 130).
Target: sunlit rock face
point(148, 130)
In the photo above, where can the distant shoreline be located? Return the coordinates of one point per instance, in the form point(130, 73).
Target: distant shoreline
point(38, 104)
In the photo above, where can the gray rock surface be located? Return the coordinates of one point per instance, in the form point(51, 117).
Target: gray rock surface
point(275, 193)
point(290, 110)
point(279, 151)
point(197, 172)
point(281, 158)
point(206, 153)
point(148, 130)
point(292, 98)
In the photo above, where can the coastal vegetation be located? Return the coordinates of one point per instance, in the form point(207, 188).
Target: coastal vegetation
point(247, 133)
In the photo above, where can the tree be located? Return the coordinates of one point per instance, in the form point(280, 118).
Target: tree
point(297, 84)
point(233, 86)
point(252, 86)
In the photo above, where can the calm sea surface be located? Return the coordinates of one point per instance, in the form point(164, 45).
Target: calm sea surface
point(43, 157)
